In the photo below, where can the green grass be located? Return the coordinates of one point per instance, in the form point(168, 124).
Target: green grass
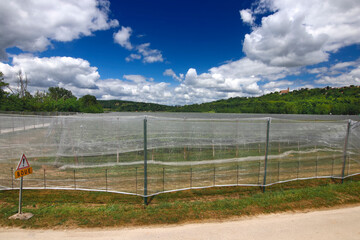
point(69, 209)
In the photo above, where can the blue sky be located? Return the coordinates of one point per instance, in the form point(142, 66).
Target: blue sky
point(180, 52)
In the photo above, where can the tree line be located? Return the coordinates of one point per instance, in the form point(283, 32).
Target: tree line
point(337, 101)
point(56, 99)
point(328, 100)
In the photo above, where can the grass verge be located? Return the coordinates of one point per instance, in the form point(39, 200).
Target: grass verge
point(72, 209)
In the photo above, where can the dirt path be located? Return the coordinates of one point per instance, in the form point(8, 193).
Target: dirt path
point(329, 224)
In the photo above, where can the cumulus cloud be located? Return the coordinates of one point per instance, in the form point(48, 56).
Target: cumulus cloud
point(344, 65)
point(133, 57)
point(171, 73)
point(78, 76)
point(341, 74)
point(32, 25)
point(43, 73)
point(145, 91)
point(246, 16)
point(144, 52)
point(149, 55)
point(122, 37)
point(317, 70)
point(301, 33)
point(137, 78)
point(244, 77)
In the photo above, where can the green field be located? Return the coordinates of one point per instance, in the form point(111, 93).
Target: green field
point(183, 168)
point(73, 209)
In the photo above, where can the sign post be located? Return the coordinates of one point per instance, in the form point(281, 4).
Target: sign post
point(22, 170)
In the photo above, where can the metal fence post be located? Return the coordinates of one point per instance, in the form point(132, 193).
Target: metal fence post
point(266, 151)
point(136, 180)
point(44, 178)
point(74, 180)
point(12, 178)
point(345, 150)
point(214, 176)
point(163, 179)
point(298, 169)
point(190, 177)
point(332, 167)
point(259, 164)
point(145, 161)
point(237, 175)
point(106, 177)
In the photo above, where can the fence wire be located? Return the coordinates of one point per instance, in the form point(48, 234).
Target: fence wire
point(146, 156)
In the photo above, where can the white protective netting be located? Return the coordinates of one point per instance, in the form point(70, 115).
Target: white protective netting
point(106, 152)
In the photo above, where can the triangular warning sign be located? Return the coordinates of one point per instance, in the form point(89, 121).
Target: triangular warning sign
point(23, 163)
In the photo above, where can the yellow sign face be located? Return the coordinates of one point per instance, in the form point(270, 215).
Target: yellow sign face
point(23, 172)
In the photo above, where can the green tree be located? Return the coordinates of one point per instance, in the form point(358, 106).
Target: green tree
point(2, 85)
point(57, 93)
point(89, 104)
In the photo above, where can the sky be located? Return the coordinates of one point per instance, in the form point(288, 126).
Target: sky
point(180, 52)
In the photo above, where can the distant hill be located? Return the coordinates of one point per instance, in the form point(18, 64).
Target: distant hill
point(345, 101)
point(128, 106)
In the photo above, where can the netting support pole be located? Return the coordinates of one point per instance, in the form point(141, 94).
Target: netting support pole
point(332, 167)
point(145, 162)
point(214, 176)
point(345, 150)
point(106, 177)
point(136, 180)
point(316, 165)
point(237, 175)
point(190, 177)
point(12, 178)
point(298, 169)
point(266, 151)
point(75, 179)
point(259, 164)
point(163, 179)
point(44, 178)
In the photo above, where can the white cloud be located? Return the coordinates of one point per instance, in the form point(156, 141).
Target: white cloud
point(283, 83)
point(144, 91)
point(144, 51)
point(122, 37)
point(149, 55)
point(301, 33)
point(246, 16)
point(239, 78)
point(135, 78)
point(345, 74)
point(171, 73)
point(32, 25)
point(78, 76)
point(133, 57)
point(317, 70)
point(344, 65)
point(43, 73)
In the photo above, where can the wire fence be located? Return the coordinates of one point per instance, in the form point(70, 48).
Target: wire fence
point(147, 156)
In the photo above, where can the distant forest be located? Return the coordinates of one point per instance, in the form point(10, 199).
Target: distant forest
point(56, 99)
point(339, 101)
point(345, 101)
